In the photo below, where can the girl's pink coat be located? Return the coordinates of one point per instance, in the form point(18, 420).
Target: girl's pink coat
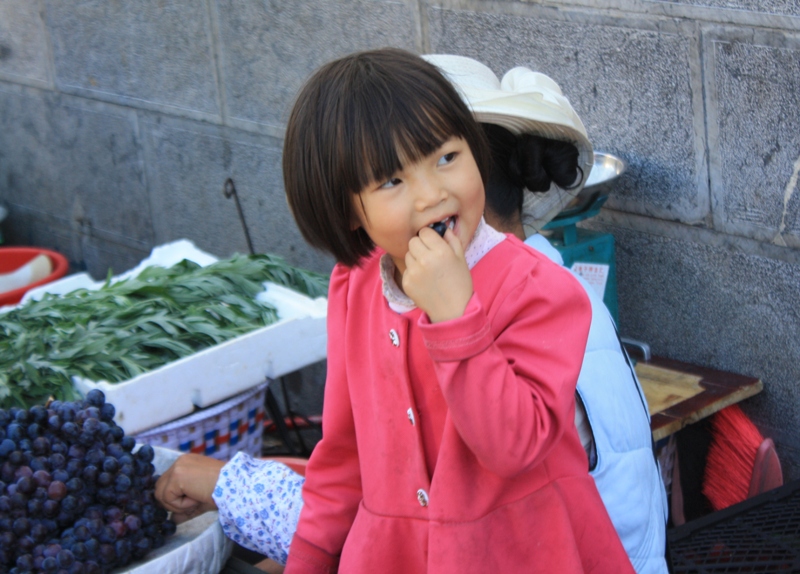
point(511, 491)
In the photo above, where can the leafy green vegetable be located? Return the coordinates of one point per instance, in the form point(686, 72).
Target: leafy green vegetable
point(132, 326)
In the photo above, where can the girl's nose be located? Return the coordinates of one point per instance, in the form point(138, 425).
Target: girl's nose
point(429, 192)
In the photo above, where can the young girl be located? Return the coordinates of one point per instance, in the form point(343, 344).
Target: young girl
point(448, 436)
point(628, 482)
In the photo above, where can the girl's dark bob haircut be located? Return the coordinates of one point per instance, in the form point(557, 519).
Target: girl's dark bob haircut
point(357, 121)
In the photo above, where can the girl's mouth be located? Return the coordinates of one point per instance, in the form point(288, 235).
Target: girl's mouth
point(441, 226)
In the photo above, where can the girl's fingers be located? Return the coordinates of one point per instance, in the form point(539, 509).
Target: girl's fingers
point(427, 248)
point(417, 248)
point(454, 242)
point(428, 240)
point(429, 237)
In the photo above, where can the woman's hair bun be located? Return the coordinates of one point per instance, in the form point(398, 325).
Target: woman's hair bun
point(538, 161)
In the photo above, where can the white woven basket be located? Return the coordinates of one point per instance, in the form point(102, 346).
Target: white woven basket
point(219, 431)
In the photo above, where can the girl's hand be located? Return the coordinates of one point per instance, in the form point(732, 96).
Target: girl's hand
point(186, 487)
point(437, 278)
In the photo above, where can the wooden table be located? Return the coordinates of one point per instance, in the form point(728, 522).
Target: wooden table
point(679, 393)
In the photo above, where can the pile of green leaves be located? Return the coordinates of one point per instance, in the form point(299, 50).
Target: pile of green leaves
point(132, 326)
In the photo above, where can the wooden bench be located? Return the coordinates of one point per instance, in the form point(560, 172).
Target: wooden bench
point(679, 393)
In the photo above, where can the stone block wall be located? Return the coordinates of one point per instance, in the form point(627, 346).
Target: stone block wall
point(121, 121)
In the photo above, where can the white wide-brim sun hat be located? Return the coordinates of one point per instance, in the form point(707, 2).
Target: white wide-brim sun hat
point(523, 102)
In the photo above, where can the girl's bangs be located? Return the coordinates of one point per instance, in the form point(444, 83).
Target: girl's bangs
point(399, 133)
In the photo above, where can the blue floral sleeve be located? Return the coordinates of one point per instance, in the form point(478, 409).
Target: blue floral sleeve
point(259, 504)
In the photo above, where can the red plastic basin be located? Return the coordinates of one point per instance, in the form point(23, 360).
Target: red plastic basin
point(12, 258)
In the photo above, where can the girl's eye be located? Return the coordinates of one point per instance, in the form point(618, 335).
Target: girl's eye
point(447, 158)
point(391, 183)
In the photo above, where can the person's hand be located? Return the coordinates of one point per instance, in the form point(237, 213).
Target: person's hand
point(437, 277)
point(186, 487)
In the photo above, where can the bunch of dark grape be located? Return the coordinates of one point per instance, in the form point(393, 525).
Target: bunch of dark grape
point(74, 497)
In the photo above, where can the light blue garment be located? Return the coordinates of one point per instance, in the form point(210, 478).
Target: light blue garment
point(626, 474)
point(259, 504)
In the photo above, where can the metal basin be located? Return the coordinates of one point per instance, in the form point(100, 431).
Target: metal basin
point(605, 170)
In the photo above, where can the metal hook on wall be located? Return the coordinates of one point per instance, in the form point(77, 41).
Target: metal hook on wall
point(229, 190)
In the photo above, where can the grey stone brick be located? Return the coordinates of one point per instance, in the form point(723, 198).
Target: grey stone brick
point(784, 7)
point(633, 88)
point(755, 120)
point(187, 169)
point(151, 53)
point(715, 307)
point(75, 164)
point(27, 227)
point(268, 49)
point(23, 42)
point(85, 248)
point(100, 257)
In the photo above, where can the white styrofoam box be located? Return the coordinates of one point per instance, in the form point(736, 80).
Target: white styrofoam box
point(199, 546)
point(62, 286)
point(296, 340)
point(168, 255)
point(216, 373)
point(57, 287)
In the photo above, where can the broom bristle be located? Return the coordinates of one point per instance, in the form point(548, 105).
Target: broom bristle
point(731, 457)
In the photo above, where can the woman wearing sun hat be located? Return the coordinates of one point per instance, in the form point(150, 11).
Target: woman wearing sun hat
point(542, 158)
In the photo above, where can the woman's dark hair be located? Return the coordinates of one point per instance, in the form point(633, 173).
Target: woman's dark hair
point(357, 121)
point(525, 162)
